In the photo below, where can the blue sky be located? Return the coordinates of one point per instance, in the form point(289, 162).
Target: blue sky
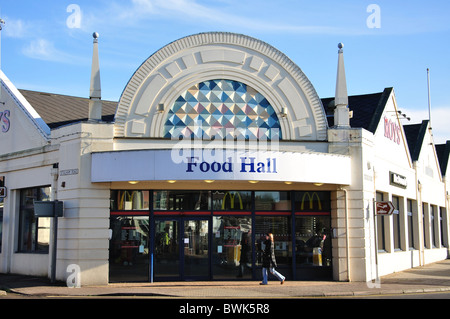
point(46, 45)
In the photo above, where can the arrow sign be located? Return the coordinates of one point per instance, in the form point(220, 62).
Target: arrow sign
point(384, 208)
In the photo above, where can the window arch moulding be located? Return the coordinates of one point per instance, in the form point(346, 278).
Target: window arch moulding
point(195, 59)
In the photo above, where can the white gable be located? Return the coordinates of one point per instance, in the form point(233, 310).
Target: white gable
point(21, 127)
point(390, 140)
point(428, 162)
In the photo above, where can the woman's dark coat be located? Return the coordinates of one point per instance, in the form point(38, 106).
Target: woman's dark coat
point(269, 255)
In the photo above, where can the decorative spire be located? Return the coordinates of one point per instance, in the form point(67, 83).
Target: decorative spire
point(341, 113)
point(95, 96)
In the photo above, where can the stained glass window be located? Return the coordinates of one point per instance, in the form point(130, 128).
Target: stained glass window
point(222, 109)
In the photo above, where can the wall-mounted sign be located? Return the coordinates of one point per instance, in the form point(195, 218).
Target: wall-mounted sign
point(48, 208)
point(384, 208)
point(392, 130)
point(233, 165)
point(398, 180)
point(67, 172)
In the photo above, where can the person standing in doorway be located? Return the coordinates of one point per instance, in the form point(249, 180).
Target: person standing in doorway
point(269, 262)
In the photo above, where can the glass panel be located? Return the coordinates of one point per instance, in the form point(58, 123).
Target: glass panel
point(128, 254)
point(272, 200)
point(195, 241)
point(129, 200)
point(232, 248)
point(232, 200)
point(280, 227)
point(167, 249)
point(313, 240)
point(312, 202)
point(222, 109)
point(380, 227)
point(396, 222)
point(182, 200)
point(410, 220)
point(34, 233)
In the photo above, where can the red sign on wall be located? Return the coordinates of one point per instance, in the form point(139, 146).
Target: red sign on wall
point(384, 208)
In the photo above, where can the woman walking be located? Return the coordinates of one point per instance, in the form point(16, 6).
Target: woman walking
point(269, 262)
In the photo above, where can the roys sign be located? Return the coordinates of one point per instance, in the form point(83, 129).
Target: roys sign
point(392, 130)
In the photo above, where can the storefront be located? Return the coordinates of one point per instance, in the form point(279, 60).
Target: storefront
point(217, 139)
point(185, 235)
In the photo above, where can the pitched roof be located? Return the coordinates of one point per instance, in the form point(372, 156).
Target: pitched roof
point(57, 110)
point(415, 134)
point(443, 153)
point(367, 109)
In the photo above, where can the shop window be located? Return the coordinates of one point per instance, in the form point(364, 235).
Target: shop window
point(381, 240)
point(128, 252)
point(442, 225)
point(232, 200)
point(313, 241)
point(280, 227)
point(410, 220)
point(34, 233)
point(434, 234)
point(425, 224)
point(312, 202)
point(272, 201)
point(2, 196)
point(1, 222)
point(182, 200)
point(397, 223)
point(232, 247)
point(129, 200)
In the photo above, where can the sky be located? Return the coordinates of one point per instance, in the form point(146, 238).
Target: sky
point(46, 45)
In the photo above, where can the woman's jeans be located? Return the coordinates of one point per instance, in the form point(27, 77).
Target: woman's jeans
point(272, 270)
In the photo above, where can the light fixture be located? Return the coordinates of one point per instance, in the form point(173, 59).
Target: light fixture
point(253, 182)
point(288, 183)
point(171, 181)
point(160, 108)
point(133, 182)
point(318, 184)
point(209, 181)
point(284, 111)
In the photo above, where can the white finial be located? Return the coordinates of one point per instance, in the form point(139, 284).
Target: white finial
point(95, 103)
point(341, 113)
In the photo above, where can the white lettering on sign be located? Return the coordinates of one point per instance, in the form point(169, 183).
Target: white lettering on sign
point(399, 180)
point(392, 130)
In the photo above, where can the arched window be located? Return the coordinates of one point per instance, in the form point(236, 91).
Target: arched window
point(222, 109)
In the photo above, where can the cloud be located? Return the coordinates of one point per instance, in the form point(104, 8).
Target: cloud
point(134, 12)
point(42, 49)
point(439, 121)
point(15, 28)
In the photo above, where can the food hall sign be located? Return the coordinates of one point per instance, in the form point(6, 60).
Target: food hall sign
point(232, 165)
point(246, 164)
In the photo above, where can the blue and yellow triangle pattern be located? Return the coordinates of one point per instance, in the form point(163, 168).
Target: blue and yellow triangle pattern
point(222, 109)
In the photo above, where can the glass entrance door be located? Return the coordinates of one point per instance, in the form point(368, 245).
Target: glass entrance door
point(181, 249)
point(195, 249)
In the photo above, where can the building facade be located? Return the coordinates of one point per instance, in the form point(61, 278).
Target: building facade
point(217, 139)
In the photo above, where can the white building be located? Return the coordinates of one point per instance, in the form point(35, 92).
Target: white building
point(217, 139)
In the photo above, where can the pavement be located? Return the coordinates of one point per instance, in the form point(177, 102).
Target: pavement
point(430, 278)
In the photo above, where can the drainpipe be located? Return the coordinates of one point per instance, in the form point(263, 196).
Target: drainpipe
point(346, 233)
